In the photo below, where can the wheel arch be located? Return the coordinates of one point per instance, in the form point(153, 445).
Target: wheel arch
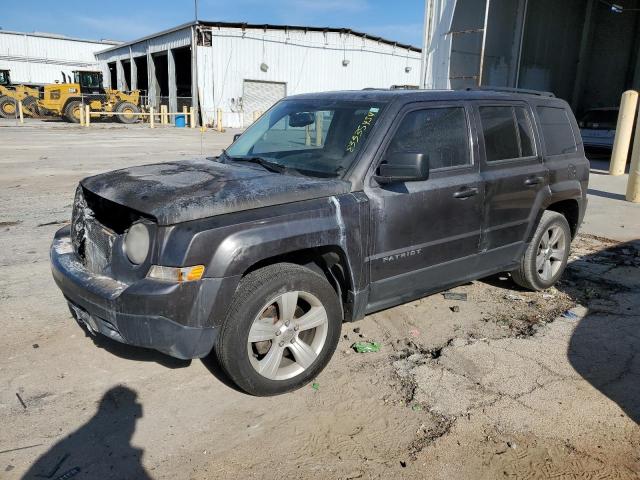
point(570, 209)
point(329, 261)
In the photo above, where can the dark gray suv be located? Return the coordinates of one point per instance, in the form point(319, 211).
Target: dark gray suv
point(331, 206)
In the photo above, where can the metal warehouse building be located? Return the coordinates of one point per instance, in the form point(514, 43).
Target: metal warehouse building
point(38, 58)
point(243, 69)
point(585, 51)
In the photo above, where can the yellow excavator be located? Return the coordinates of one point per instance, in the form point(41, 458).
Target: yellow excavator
point(10, 95)
point(86, 88)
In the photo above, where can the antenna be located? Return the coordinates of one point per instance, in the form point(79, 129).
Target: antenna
point(196, 6)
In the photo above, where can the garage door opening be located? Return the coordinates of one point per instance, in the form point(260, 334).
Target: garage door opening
point(141, 76)
point(182, 59)
point(113, 74)
point(126, 67)
point(161, 67)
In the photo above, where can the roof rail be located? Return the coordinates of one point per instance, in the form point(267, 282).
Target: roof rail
point(512, 90)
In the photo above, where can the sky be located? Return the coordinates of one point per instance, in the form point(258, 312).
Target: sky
point(399, 20)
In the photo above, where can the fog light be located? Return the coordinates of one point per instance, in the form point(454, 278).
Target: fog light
point(173, 274)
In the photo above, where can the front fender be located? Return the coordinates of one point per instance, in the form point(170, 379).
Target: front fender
point(229, 245)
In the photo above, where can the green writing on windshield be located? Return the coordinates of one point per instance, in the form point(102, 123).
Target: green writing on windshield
point(362, 127)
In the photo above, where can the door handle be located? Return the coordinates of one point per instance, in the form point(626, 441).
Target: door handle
point(533, 181)
point(466, 193)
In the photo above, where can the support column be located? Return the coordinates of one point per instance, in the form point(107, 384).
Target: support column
point(121, 79)
point(133, 70)
point(151, 79)
point(194, 71)
point(518, 41)
point(173, 87)
point(583, 53)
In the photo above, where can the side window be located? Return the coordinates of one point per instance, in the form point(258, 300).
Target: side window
point(556, 131)
point(439, 133)
point(507, 133)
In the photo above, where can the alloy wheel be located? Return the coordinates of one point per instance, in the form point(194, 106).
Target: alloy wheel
point(551, 252)
point(287, 335)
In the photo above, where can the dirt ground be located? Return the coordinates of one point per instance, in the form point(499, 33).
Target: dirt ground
point(504, 384)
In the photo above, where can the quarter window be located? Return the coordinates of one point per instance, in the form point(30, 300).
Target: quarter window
point(439, 133)
point(556, 131)
point(507, 133)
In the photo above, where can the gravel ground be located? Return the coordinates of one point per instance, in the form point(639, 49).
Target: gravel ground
point(508, 383)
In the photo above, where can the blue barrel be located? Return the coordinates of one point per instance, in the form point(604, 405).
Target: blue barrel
point(180, 121)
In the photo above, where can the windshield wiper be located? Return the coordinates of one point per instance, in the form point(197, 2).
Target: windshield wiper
point(263, 162)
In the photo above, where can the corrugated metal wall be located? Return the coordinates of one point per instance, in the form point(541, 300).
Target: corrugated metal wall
point(40, 59)
point(304, 61)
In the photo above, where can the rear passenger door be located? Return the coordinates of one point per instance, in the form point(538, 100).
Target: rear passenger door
point(514, 176)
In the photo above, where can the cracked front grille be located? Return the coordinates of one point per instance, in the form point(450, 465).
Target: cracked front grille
point(92, 242)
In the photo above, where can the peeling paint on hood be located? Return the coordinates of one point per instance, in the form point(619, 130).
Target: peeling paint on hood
point(177, 192)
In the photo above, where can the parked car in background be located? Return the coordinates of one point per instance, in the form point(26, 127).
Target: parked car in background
point(330, 207)
point(598, 127)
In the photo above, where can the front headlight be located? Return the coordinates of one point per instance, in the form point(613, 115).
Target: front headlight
point(136, 243)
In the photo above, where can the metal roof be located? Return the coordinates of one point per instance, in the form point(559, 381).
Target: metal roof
point(57, 36)
point(268, 26)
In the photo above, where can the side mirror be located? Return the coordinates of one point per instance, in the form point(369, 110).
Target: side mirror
point(403, 167)
point(301, 119)
point(236, 136)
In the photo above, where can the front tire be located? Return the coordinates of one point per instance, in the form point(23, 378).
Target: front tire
point(130, 112)
point(72, 111)
point(281, 330)
point(546, 256)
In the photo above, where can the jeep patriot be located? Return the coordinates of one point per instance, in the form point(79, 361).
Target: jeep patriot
point(329, 207)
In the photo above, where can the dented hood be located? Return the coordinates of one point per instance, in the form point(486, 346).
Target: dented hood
point(176, 192)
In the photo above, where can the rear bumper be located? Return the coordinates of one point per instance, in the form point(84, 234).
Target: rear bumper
point(172, 318)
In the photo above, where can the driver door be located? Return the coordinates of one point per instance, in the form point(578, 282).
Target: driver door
point(426, 234)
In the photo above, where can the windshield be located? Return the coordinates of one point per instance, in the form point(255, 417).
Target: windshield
point(314, 137)
point(4, 78)
point(89, 79)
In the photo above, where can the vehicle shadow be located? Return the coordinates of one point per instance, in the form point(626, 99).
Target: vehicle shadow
point(101, 448)
point(605, 345)
point(211, 363)
point(130, 352)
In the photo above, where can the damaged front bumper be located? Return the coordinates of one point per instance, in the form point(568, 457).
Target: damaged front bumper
point(173, 318)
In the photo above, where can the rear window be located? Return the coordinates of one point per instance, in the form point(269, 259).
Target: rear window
point(556, 131)
point(507, 133)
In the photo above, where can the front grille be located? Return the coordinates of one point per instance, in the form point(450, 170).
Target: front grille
point(98, 246)
point(92, 242)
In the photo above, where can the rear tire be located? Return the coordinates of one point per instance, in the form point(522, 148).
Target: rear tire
point(128, 108)
point(281, 330)
point(546, 256)
point(72, 111)
point(8, 107)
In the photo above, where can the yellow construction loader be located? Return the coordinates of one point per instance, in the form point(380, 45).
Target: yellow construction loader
point(10, 95)
point(67, 99)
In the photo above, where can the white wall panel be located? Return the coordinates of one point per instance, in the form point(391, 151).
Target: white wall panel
point(34, 58)
point(304, 61)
